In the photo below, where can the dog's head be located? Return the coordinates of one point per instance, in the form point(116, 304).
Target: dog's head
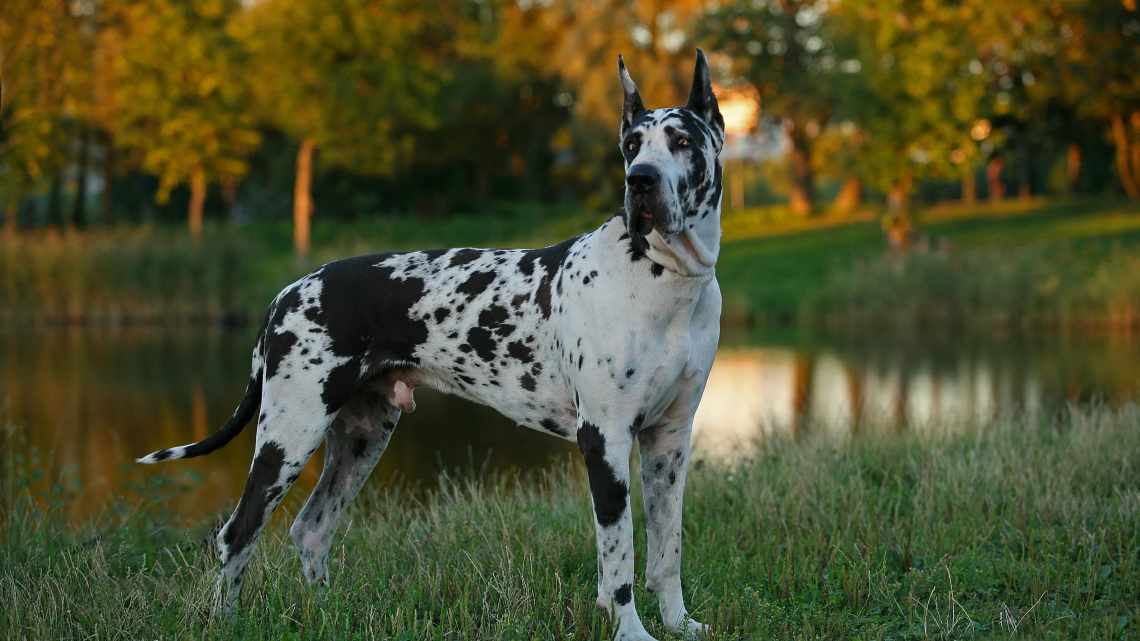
point(672, 157)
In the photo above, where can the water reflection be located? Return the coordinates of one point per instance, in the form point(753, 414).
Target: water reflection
point(87, 402)
point(841, 393)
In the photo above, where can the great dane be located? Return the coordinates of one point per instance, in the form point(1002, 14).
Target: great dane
point(604, 339)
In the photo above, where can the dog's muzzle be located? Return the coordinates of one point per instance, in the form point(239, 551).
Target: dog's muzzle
point(643, 199)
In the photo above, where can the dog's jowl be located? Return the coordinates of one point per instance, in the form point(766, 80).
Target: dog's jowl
point(605, 340)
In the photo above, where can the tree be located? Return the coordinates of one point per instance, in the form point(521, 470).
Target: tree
point(39, 84)
point(920, 90)
point(790, 52)
point(181, 103)
point(1098, 47)
point(579, 42)
point(360, 79)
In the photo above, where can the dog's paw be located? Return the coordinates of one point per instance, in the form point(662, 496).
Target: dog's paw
point(692, 629)
point(633, 630)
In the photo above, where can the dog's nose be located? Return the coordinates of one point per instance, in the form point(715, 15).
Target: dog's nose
point(643, 178)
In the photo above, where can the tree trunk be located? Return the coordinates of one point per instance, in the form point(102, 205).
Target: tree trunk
point(54, 214)
point(850, 196)
point(197, 202)
point(105, 202)
point(993, 178)
point(898, 198)
point(302, 197)
point(229, 196)
point(1124, 169)
point(10, 214)
point(969, 186)
point(106, 205)
point(1073, 167)
point(802, 196)
point(79, 208)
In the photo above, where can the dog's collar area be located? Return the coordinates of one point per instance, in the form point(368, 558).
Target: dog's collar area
point(684, 253)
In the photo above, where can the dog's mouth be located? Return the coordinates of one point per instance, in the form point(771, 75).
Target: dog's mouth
point(648, 214)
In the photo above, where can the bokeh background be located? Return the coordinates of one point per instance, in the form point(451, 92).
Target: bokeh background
point(930, 214)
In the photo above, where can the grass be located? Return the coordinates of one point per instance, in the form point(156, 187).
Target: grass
point(1005, 531)
point(1019, 263)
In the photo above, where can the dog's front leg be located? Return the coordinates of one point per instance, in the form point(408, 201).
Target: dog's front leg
point(606, 451)
point(665, 453)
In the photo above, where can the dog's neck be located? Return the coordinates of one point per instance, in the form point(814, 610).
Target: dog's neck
point(691, 253)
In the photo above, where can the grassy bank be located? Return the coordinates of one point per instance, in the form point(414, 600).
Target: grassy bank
point(1032, 264)
point(1012, 531)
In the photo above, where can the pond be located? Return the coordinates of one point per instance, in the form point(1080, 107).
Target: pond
point(77, 406)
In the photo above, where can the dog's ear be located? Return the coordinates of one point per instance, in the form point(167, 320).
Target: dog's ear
point(632, 107)
point(701, 97)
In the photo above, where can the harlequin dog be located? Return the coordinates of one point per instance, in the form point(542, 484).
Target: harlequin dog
point(604, 339)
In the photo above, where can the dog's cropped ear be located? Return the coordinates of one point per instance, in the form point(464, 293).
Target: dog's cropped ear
point(632, 107)
point(701, 97)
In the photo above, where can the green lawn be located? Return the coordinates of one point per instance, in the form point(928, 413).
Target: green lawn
point(844, 269)
point(1008, 531)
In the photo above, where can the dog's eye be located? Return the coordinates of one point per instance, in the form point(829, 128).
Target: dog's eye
point(682, 142)
point(631, 146)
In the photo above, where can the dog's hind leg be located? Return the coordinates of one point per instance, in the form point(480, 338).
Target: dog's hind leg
point(353, 446)
point(287, 435)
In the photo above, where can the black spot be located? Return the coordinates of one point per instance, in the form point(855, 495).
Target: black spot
point(259, 491)
point(359, 446)
point(623, 594)
point(551, 425)
point(476, 284)
point(608, 491)
point(657, 269)
point(161, 455)
point(480, 339)
point(551, 260)
point(527, 382)
point(340, 384)
point(441, 313)
point(520, 352)
point(630, 372)
point(464, 256)
point(364, 308)
point(492, 318)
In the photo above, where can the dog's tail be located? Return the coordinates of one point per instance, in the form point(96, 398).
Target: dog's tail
point(240, 418)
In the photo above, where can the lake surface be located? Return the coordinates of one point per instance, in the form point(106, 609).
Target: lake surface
point(77, 406)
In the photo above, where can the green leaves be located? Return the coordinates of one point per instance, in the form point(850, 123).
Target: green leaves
point(181, 102)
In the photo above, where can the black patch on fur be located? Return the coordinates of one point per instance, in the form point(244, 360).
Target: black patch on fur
point(551, 425)
point(464, 256)
point(608, 491)
point(476, 284)
point(278, 346)
point(520, 352)
point(527, 382)
point(551, 259)
point(623, 595)
point(359, 446)
point(364, 310)
point(441, 313)
point(260, 490)
point(480, 339)
point(493, 319)
point(340, 384)
point(657, 269)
